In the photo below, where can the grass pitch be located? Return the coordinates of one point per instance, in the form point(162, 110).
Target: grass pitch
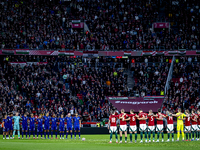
point(94, 142)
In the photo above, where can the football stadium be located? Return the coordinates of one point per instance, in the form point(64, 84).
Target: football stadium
point(99, 74)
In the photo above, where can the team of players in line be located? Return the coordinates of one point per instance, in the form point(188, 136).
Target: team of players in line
point(192, 125)
point(43, 123)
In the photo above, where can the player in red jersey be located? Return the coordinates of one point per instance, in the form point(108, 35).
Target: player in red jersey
point(170, 125)
point(133, 128)
point(143, 128)
point(159, 127)
point(123, 125)
point(151, 125)
point(198, 125)
point(188, 125)
point(194, 124)
point(112, 126)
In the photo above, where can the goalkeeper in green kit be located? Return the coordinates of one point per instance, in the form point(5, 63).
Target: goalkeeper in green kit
point(16, 119)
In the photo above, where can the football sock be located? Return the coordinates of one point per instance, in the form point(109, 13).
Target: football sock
point(196, 134)
point(125, 138)
point(66, 135)
point(153, 135)
point(186, 136)
point(52, 134)
point(79, 133)
point(48, 134)
point(3, 136)
point(41, 134)
point(116, 136)
point(13, 133)
point(74, 134)
point(71, 135)
point(178, 134)
point(110, 136)
point(173, 135)
point(190, 135)
point(183, 135)
point(37, 134)
point(135, 136)
point(45, 135)
point(22, 134)
point(145, 133)
point(120, 138)
point(162, 135)
point(26, 134)
point(56, 134)
point(131, 137)
point(60, 135)
point(18, 133)
point(158, 135)
point(199, 135)
point(29, 134)
point(168, 134)
point(149, 133)
point(63, 134)
point(141, 135)
point(33, 133)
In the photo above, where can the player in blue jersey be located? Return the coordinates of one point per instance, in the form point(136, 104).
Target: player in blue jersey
point(40, 126)
point(32, 126)
point(53, 125)
point(10, 118)
point(46, 125)
point(62, 126)
point(5, 127)
point(77, 125)
point(16, 119)
point(69, 124)
point(24, 125)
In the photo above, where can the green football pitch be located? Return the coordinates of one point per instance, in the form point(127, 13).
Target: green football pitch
point(94, 142)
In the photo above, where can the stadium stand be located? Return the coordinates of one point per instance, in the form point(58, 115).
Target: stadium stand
point(109, 25)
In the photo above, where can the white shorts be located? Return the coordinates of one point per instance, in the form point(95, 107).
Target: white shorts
point(143, 127)
point(123, 128)
point(170, 127)
point(198, 127)
point(194, 127)
point(151, 128)
point(113, 129)
point(187, 128)
point(159, 127)
point(133, 128)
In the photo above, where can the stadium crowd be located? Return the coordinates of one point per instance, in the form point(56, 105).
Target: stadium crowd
point(59, 87)
point(119, 25)
point(184, 86)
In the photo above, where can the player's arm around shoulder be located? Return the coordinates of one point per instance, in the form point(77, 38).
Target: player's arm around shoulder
point(108, 124)
point(176, 115)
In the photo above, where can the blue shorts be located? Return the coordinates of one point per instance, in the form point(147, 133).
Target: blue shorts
point(46, 127)
point(77, 128)
point(5, 129)
point(11, 127)
point(32, 128)
point(69, 128)
point(53, 127)
point(40, 129)
point(16, 127)
point(61, 128)
point(24, 127)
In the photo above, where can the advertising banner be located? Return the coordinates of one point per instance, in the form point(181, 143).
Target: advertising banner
point(137, 103)
point(161, 25)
